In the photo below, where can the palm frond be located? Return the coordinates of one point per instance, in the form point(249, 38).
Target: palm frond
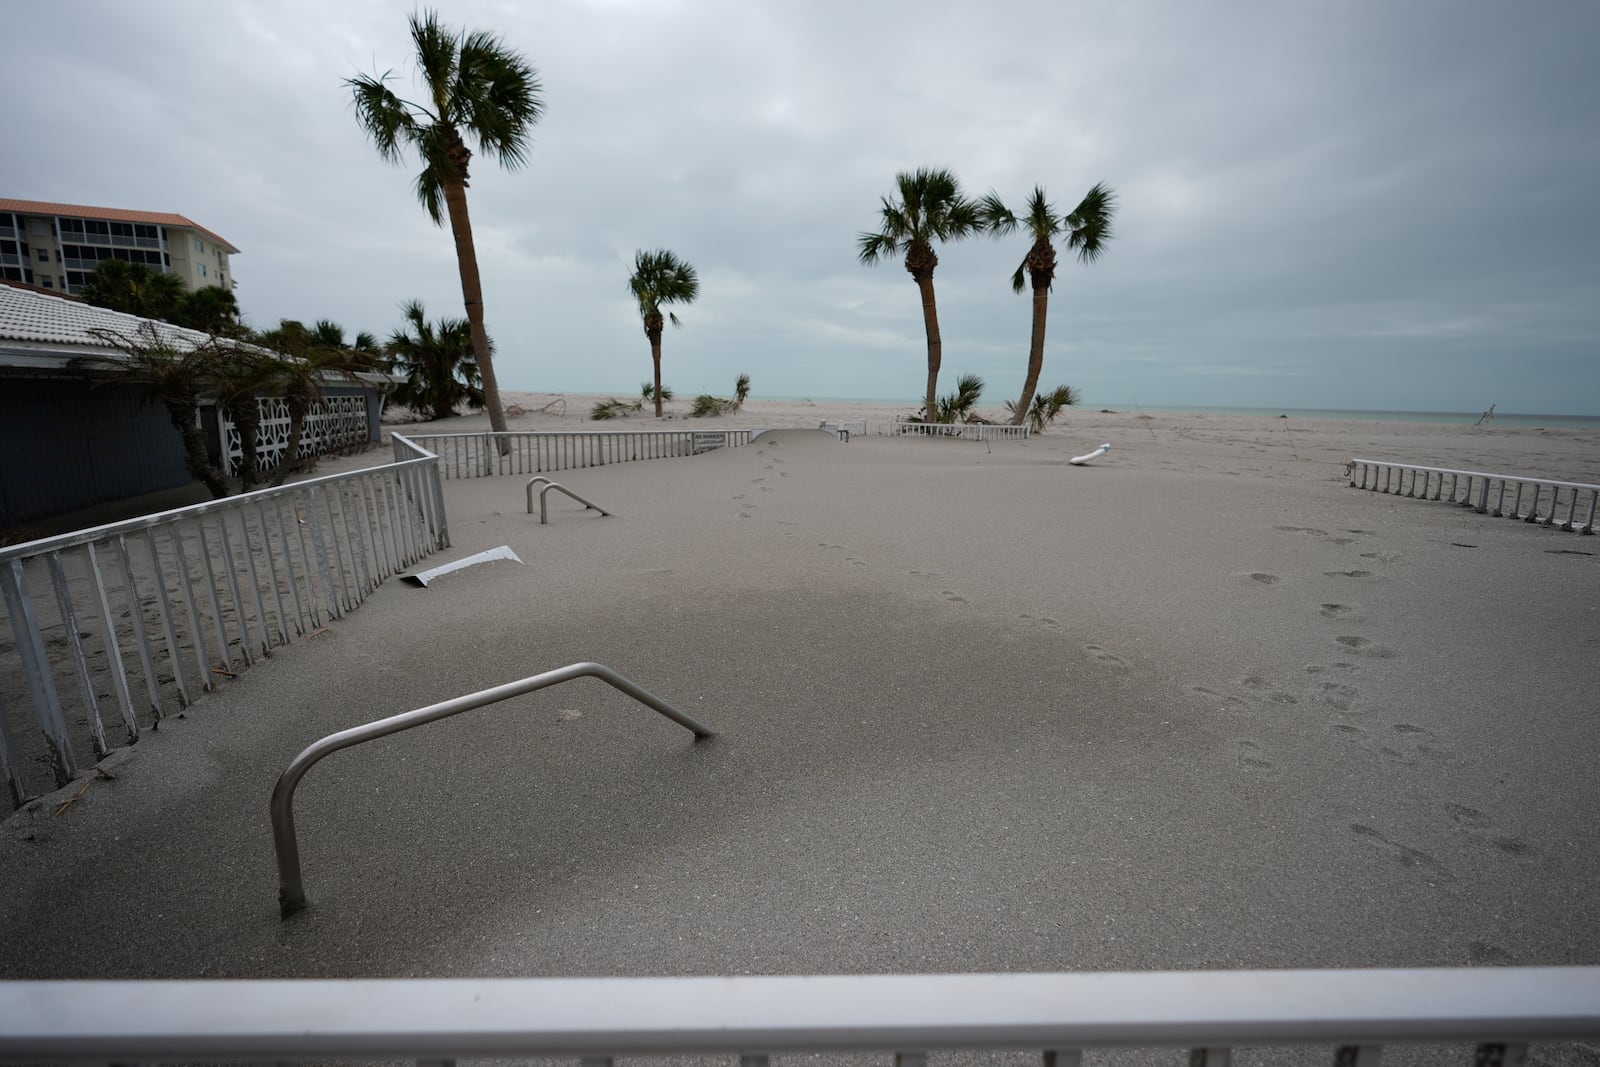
point(382, 114)
point(1089, 224)
point(997, 218)
point(497, 97)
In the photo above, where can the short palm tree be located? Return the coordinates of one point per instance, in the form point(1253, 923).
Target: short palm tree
point(931, 208)
point(436, 360)
point(475, 87)
point(959, 405)
point(305, 360)
point(1045, 407)
point(660, 278)
point(134, 288)
point(177, 376)
point(1086, 227)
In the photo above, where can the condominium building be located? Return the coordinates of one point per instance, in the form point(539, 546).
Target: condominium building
point(58, 246)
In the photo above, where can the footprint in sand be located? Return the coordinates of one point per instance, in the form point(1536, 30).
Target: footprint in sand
point(1335, 611)
point(1371, 745)
point(1347, 574)
point(952, 597)
point(1361, 646)
point(1337, 696)
point(1312, 530)
point(1271, 693)
point(1223, 700)
point(1405, 854)
point(1263, 578)
point(1109, 659)
point(1383, 557)
point(1481, 827)
point(1253, 757)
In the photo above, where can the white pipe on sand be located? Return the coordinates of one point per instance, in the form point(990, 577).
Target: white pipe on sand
point(1079, 461)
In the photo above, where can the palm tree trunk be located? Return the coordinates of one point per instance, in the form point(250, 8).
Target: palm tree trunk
point(180, 409)
point(455, 199)
point(930, 323)
point(247, 420)
point(1041, 305)
point(655, 357)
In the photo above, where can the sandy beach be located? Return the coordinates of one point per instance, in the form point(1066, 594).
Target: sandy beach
point(1198, 704)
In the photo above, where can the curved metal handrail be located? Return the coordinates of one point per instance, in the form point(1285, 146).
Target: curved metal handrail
point(544, 513)
point(291, 890)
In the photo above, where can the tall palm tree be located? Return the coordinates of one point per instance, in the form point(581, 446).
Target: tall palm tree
point(1086, 227)
point(437, 362)
point(475, 87)
point(659, 277)
point(931, 208)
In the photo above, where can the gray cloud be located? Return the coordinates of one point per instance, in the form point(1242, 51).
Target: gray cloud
point(1322, 204)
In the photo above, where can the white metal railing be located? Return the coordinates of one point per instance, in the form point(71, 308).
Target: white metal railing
point(155, 609)
point(291, 888)
point(481, 455)
point(973, 431)
point(1354, 1013)
point(1564, 505)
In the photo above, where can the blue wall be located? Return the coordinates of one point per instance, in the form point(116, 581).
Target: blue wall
point(67, 445)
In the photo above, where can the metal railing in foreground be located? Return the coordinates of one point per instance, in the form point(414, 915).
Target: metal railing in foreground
point(973, 431)
point(480, 455)
point(291, 889)
point(544, 507)
point(1500, 1010)
point(1564, 505)
point(117, 626)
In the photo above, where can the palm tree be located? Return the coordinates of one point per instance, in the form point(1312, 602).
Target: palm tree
point(1087, 228)
point(475, 87)
point(931, 208)
point(306, 358)
point(958, 406)
point(177, 376)
point(437, 362)
point(134, 288)
point(1045, 408)
point(212, 309)
point(659, 277)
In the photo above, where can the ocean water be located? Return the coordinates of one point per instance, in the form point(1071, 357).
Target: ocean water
point(1459, 418)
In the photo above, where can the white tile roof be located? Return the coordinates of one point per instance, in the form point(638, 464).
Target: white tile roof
point(34, 325)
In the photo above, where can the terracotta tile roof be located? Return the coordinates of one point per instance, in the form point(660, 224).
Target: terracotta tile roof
point(110, 214)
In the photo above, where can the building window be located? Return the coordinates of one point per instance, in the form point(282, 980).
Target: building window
point(44, 280)
point(199, 245)
point(201, 267)
point(36, 227)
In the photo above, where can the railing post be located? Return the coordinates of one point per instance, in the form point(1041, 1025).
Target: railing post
point(36, 672)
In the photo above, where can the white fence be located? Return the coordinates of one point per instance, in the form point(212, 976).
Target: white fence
point(972, 431)
point(1564, 505)
point(114, 627)
point(483, 455)
point(333, 422)
point(1496, 1011)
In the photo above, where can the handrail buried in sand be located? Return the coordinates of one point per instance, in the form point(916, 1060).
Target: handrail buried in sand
point(291, 889)
point(544, 511)
point(1389, 476)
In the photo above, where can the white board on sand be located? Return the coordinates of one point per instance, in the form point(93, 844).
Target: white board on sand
point(1081, 460)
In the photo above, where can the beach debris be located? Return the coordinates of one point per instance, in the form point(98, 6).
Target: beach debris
point(75, 797)
point(706, 404)
point(1078, 461)
point(569, 714)
point(219, 670)
point(423, 578)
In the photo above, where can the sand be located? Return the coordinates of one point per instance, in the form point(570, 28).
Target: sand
point(1198, 704)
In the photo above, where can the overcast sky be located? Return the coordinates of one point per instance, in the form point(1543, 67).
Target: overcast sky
point(1342, 204)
